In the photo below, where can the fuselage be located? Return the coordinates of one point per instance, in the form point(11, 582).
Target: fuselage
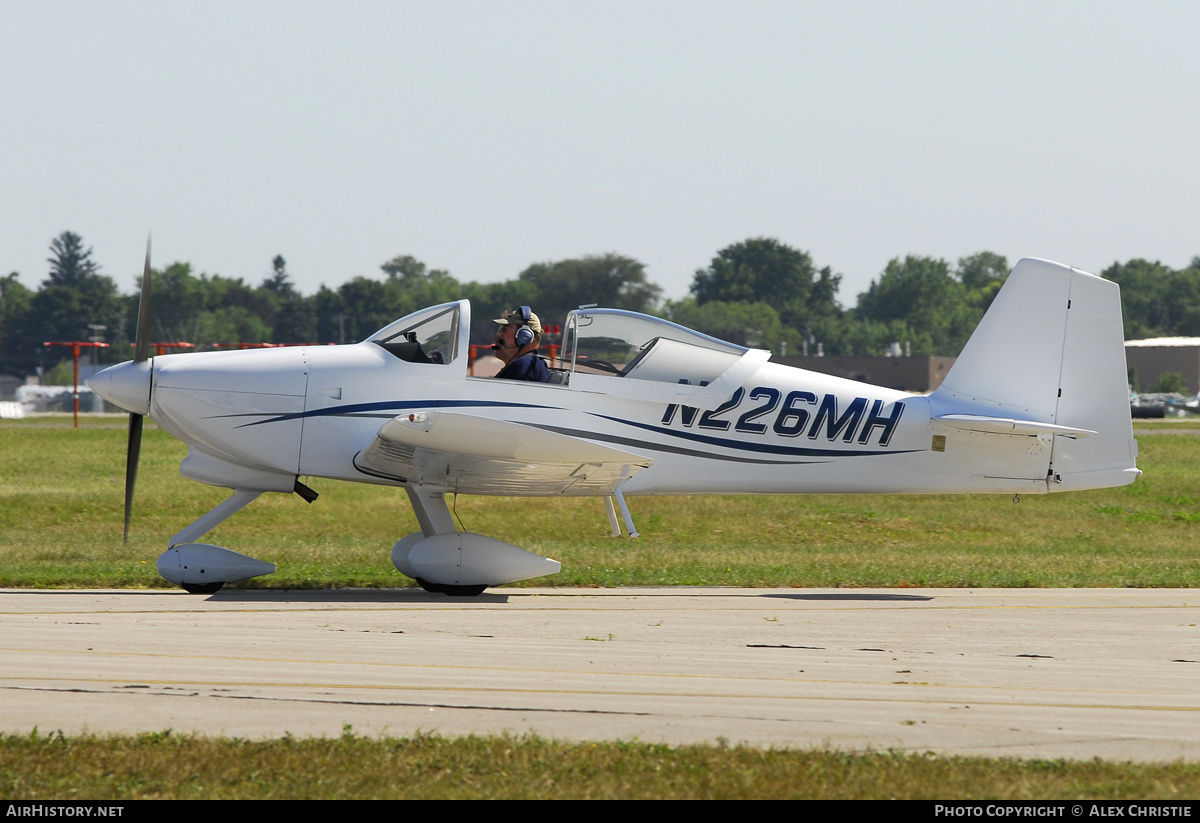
point(260, 418)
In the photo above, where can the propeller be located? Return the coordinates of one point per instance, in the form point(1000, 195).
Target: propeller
point(141, 352)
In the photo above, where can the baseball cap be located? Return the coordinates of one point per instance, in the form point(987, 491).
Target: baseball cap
point(521, 317)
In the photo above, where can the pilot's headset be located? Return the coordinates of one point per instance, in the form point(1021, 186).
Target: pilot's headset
point(524, 334)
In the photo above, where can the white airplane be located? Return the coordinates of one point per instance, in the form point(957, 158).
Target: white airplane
point(1037, 402)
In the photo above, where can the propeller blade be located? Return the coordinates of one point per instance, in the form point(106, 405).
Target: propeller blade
point(132, 453)
point(141, 351)
point(141, 344)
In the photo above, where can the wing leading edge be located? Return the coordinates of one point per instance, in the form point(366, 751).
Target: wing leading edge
point(466, 454)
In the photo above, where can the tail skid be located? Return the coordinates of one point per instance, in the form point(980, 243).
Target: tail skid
point(1047, 363)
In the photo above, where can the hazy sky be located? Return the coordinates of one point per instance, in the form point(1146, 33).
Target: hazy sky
point(481, 137)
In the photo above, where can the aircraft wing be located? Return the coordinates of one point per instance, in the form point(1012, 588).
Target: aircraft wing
point(466, 454)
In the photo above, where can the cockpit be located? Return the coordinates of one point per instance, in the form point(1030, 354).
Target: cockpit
point(596, 343)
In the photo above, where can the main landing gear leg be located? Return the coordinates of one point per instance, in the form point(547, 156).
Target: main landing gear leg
point(433, 515)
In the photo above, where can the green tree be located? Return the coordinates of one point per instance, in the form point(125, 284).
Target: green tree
point(1187, 294)
point(767, 271)
point(238, 301)
point(1156, 300)
point(853, 335)
point(414, 286)
point(931, 302)
point(1170, 382)
point(609, 280)
point(20, 352)
point(75, 294)
point(406, 267)
point(982, 275)
point(366, 306)
point(295, 315)
point(296, 321)
point(177, 300)
point(61, 373)
point(362, 305)
point(70, 263)
point(982, 269)
point(280, 282)
point(330, 312)
point(205, 310)
point(1145, 304)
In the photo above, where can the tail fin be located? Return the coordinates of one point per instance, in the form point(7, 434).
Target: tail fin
point(1049, 357)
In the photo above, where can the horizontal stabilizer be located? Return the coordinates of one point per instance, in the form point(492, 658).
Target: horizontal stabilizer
point(1006, 425)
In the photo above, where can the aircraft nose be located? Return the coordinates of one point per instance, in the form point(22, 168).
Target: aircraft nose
point(126, 385)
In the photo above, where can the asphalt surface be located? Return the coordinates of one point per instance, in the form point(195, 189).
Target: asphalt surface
point(1075, 673)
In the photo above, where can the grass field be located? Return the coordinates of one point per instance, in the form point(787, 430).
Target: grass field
point(60, 526)
point(164, 766)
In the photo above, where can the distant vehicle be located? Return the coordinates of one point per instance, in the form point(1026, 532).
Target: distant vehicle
point(35, 399)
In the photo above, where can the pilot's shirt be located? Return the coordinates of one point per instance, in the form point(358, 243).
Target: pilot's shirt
point(526, 367)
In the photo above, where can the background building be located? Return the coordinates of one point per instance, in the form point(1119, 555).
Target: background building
point(1148, 360)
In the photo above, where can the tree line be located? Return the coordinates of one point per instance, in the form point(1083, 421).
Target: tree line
point(758, 292)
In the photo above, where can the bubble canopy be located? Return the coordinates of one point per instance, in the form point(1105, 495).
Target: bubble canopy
point(627, 344)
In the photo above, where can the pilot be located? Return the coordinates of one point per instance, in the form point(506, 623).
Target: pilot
point(516, 346)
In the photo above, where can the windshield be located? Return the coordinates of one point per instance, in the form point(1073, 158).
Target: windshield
point(427, 336)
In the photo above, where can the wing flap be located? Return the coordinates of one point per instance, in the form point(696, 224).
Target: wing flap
point(477, 455)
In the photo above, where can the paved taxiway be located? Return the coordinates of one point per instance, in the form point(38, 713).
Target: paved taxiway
point(1078, 673)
